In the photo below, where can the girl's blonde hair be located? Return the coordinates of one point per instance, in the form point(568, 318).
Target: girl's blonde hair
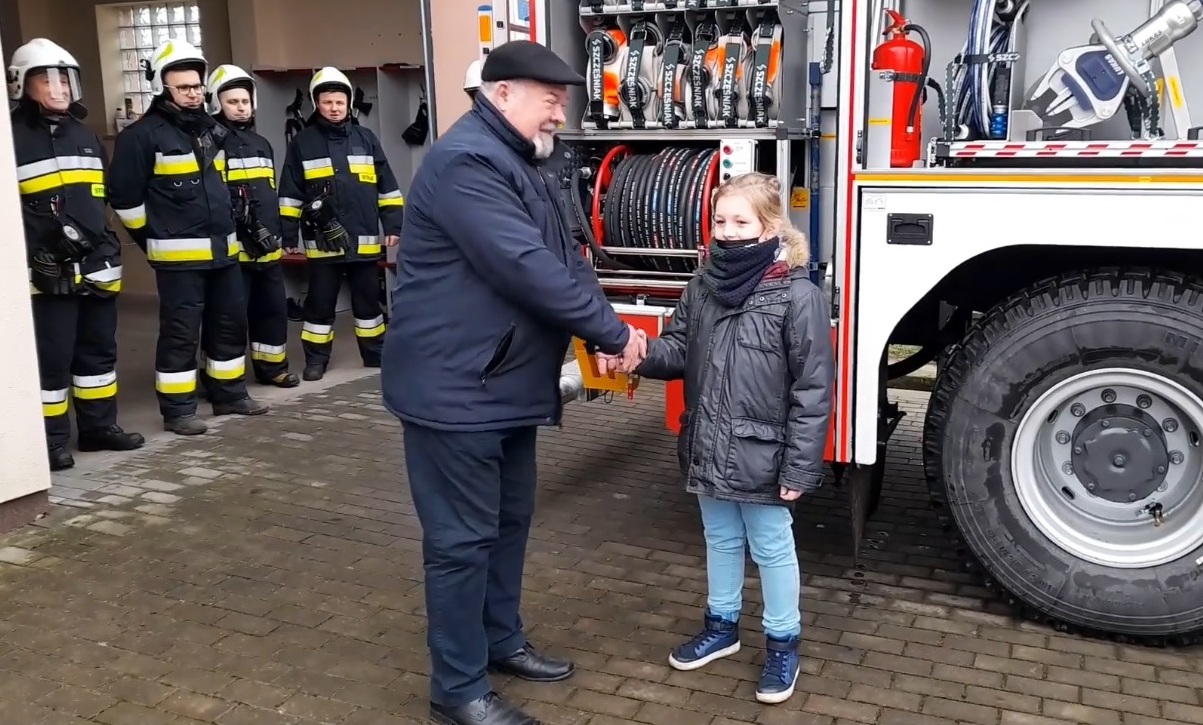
point(763, 192)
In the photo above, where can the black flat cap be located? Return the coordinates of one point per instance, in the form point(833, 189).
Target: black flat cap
point(527, 60)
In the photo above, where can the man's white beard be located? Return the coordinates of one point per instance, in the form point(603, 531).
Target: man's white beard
point(545, 144)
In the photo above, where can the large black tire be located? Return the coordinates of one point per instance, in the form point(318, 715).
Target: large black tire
point(1141, 320)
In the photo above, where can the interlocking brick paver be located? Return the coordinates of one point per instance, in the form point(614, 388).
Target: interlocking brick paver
point(270, 574)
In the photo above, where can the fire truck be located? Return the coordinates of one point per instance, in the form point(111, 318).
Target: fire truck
point(1006, 186)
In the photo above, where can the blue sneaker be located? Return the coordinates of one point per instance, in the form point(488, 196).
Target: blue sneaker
point(781, 667)
point(719, 639)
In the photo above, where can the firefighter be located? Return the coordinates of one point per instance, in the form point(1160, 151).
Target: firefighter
point(166, 187)
point(336, 192)
point(74, 259)
point(472, 79)
point(250, 170)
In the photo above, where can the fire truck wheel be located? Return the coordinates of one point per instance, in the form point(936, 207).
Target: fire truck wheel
point(1062, 443)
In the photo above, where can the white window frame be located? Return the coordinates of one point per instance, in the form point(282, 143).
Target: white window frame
point(141, 27)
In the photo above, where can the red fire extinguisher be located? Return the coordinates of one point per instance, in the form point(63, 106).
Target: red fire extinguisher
point(910, 63)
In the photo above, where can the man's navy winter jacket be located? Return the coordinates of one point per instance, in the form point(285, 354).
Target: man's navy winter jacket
point(491, 287)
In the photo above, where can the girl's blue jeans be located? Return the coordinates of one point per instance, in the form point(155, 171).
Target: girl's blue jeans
point(768, 532)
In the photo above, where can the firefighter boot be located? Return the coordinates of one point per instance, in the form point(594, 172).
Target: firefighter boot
point(246, 406)
point(60, 458)
point(314, 371)
point(185, 425)
point(112, 438)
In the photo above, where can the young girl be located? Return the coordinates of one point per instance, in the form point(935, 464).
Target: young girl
point(751, 336)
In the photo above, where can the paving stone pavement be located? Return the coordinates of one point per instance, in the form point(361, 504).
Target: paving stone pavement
point(270, 574)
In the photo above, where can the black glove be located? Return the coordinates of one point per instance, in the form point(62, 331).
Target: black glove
point(257, 240)
point(47, 274)
point(325, 228)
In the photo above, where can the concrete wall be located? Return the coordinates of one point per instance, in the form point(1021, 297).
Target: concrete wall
point(23, 474)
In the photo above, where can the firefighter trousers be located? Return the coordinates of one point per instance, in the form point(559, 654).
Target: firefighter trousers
point(317, 332)
point(188, 298)
point(267, 319)
point(77, 358)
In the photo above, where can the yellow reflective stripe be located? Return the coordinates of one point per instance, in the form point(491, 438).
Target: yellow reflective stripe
point(226, 369)
point(318, 168)
point(268, 353)
point(175, 164)
point(313, 252)
point(60, 171)
point(197, 249)
point(94, 387)
point(392, 198)
point(175, 383)
point(369, 328)
point(54, 403)
point(59, 179)
point(317, 334)
point(269, 257)
point(250, 162)
point(233, 246)
point(290, 207)
point(134, 218)
point(248, 174)
point(107, 279)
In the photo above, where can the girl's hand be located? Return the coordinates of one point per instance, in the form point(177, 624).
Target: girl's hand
point(789, 494)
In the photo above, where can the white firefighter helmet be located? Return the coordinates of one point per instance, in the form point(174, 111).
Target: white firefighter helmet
point(39, 54)
point(174, 53)
point(225, 77)
point(472, 77)
point(327, 77)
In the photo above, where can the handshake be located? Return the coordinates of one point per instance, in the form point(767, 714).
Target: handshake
point(628, 359)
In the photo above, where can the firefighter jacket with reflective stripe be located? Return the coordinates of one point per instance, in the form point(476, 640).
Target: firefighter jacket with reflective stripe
point(165, 185)
point(347, 161)
point(247, 161)
point(61, 165)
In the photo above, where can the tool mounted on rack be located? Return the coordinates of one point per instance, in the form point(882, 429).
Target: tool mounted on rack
point(1088, 84)
point(701, 92)
point(641, 73)
point(293, 120)
point(764, 86)
point(606, 50)
point(677, 48)
point(360, 106)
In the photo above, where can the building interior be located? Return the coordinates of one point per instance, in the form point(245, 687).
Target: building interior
point(378, 43)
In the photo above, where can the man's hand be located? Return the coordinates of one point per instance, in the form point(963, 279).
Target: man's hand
point(292, 250)
point(391, 240)
point(628, 359)
point(789, 494)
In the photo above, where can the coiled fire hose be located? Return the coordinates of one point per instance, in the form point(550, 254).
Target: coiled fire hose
point(655, 201)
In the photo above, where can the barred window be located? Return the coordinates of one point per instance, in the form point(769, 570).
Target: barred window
point(143, 27)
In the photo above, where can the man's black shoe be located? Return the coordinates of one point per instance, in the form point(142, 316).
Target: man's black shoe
point(527, 664)
point(112, 438)
point(60, 458)
point(488, 710)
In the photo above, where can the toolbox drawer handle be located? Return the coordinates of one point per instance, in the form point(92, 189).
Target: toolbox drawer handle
point(909, 229)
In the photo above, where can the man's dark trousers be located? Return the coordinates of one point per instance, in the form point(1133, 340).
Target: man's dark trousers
point(475, 494)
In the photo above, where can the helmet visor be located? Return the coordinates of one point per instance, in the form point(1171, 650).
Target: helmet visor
point(54, 85)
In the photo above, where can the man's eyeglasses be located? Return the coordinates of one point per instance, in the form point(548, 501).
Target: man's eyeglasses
point(189, 90)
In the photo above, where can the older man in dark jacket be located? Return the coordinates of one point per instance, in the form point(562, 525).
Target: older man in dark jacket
point(491, 288)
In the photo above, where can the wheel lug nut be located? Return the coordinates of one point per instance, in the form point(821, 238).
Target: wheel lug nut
point(1144, 401)
point(1068, 468)
point(1176, 457)
point(1078, 450)
point(1131, 497)
point(1147, 432)
point(1062, 437)
point(1161, 469)
point(1106, 424)
point(1119, 460)
point(1090, 485)
point(1108, 396)
point(1078, 410)
point(1170, 425)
